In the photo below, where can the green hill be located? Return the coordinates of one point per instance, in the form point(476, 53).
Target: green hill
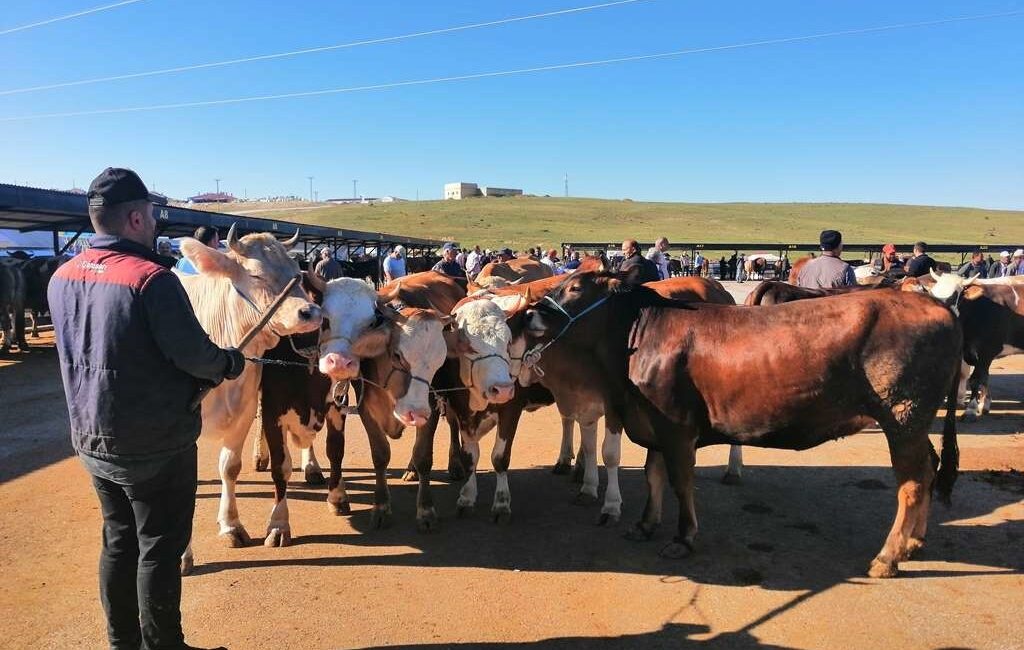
point(529, 221)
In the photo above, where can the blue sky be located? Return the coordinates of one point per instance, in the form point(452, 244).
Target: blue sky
point(925, 115)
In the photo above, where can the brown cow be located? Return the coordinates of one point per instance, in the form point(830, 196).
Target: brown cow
point(669, 374)
point(502, 274)
point(773, 292)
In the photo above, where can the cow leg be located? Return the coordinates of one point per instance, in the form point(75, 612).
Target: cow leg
point(611, 453)
point(588, 451)
point(564, 463)
point(260, 456)
point(423, 463)
point(337, 497)
point(380, 451)
point(654, 471)
point(232, 533)
point(978, 383)
point(19, 327)
point(5, 329)
point(912, 462)
point(734, 472)
point(965, 374)
point(34, 315)
point(679, 463)
point(467, 495)
point(456, 467)
point(188, 560)
point(984, 399)
point(311, 470)
point(279, 532)
point(501, 458)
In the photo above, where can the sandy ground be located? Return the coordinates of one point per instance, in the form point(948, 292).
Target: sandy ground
point(781, 559)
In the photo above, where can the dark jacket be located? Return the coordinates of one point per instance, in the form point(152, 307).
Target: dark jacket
point(132, 353)
point(451, 269)
point(920, 265)
point(648, 269)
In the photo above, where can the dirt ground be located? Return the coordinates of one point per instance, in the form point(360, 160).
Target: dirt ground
point(781, 558)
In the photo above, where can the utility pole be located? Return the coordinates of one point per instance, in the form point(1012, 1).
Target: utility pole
point(355, 194)
point(217, 181)
point(566, 184)
point(417, 194)
point(310, 187)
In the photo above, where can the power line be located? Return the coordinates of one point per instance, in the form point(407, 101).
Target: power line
point(58, 19)
point(520, 71)
point(313, 50)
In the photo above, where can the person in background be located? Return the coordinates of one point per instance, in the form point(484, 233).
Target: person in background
point(574, 261)
point(741, 269)
point(698, 263)
point(206, 235)
point(394, 264)
point(828, 271)
point(784, 267)
point(662, 245)
point(654, 255)
point(1000, 269)
point(723, 268)
point(550, 260)
point(506, 255)
point(732, 266)
point(328, 268)
point(132, 358)
point(889, 261)
point(163, 247)
point(448, 265)
point(632, 258)
point(920, 264)
point(1017, 263)
point(684, 264)
point(460, 257)
point(976, 266)
point(473, 262)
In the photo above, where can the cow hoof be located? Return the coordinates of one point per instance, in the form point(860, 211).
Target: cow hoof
point(562, 468)
point(235, 537)
point(427, 521)
point(465, 511)
point(676, 550)
point(584, 499)
point(315, 477)
point(381, 518)
point(278, 538)
point(262, 464)
point(731, 479)
point(639, 533)
point(914, 546)
point(341, 508)
point(883, 570)
point(501, 516)
point(607, 519)
point(577, 472)
point(410, 476)
point(187, 566)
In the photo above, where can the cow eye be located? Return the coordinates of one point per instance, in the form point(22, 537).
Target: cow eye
point(575, 288)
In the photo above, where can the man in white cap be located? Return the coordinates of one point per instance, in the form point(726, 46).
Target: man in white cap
point(394, 265)
point(1002, 267)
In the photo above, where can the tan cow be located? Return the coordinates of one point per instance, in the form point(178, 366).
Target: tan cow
point(502, 274)
point(229, 295)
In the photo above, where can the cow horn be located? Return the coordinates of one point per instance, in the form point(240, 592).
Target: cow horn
point(935, 276)
point(515, 282)
point(971, 279)
point(233, 243)
point(316, 280)
point(291, 241)
point(392, 294)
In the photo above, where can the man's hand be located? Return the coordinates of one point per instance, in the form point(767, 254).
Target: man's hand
point(236, 363)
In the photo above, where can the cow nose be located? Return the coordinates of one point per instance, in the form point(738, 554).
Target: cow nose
point(501, 393)
point(413, 418)
point(309, 313)
point(336, 363)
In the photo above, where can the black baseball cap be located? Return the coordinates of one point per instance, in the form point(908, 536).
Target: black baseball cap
point(506, 251)
point(830, 240)
point(115, 185)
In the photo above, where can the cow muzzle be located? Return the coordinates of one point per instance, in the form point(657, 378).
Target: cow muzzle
point(535, 325)
point(500, 393)
point(339, 366)
point(412, 417)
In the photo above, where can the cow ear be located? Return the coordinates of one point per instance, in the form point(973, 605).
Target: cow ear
point(974, 292)
point(458, 343)
point(373, 342)
point(209, 261)
point(510, 304)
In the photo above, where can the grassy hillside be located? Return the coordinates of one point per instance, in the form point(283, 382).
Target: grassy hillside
point(528, 221)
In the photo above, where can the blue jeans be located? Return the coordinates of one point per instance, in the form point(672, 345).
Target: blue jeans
point(146, 528)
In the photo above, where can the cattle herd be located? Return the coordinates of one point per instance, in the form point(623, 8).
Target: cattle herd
point(664, 362)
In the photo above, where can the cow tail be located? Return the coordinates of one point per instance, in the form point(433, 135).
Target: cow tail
point(950, 459)
point(754, 297)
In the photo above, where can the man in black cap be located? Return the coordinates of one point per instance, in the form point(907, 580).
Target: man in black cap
point(448, 265)
point(920, 264)
point(132, 358)
point(827, 271)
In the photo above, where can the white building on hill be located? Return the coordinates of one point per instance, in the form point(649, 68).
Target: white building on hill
point(467, 190)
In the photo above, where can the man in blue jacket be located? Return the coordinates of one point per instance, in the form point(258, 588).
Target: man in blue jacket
point(132, 357)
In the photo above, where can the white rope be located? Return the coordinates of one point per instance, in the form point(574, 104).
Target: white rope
point(313, 50)
point(504, 73)
point(58, 19)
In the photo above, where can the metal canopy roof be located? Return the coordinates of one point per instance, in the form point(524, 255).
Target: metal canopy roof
point(29, 209)
point(777, 246)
